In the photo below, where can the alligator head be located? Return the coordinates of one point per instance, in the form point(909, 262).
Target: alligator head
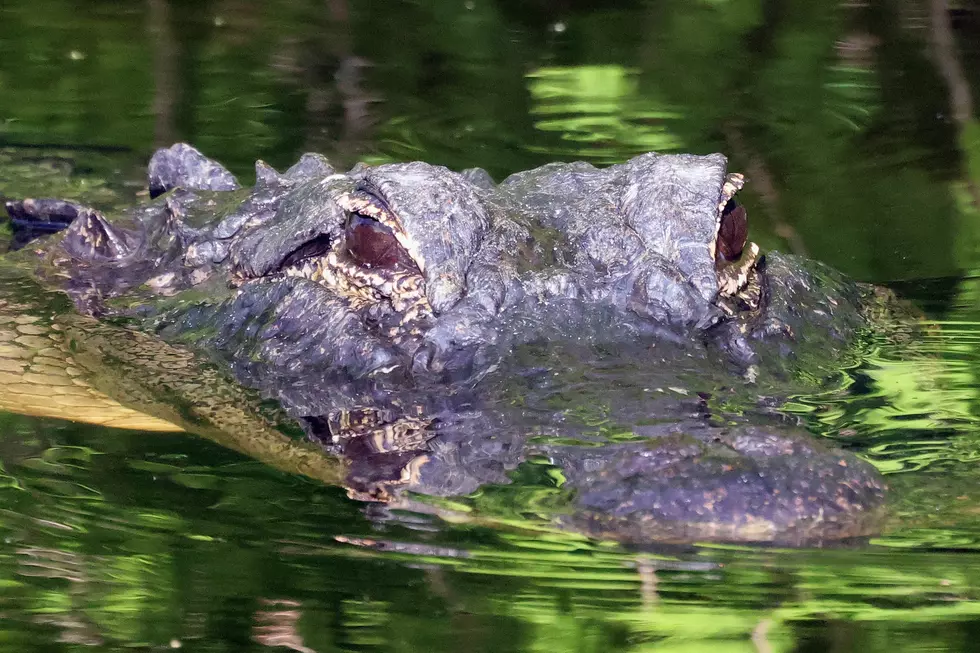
point(327, 291)
point(416, 270)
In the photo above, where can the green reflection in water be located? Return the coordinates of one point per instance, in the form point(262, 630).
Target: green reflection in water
point(599, 113)
point(162, 560)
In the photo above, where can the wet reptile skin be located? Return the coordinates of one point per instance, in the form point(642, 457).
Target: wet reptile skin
point(404, 377)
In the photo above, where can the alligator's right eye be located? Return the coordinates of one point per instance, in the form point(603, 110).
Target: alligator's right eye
point(373, 245)
point(732, 232)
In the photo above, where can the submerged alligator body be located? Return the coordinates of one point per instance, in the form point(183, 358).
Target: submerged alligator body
point(422, 324)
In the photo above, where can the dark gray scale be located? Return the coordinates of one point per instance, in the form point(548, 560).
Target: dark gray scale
point(183, 166)
point(33, 218)
point(671, 201)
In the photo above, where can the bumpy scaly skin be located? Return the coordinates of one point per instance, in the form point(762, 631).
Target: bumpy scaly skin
point(273, 281)
point(182, 165)
point(490, 267)
point(676, 491)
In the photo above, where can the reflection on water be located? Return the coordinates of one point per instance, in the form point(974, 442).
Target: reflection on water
point(119, 538)
point(599, 112)
point(856, 130)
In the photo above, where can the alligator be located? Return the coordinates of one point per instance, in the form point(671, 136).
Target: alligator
point(423, 327)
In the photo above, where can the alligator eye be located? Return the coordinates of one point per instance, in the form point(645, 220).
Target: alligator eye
point(373, 245)
point(733, 231)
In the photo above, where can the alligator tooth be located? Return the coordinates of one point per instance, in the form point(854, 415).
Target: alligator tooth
point(307, 270)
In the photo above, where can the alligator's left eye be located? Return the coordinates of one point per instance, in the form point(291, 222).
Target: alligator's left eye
point(374, 245)
point(732, 232)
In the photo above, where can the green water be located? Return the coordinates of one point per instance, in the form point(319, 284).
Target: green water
point(861, 142)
